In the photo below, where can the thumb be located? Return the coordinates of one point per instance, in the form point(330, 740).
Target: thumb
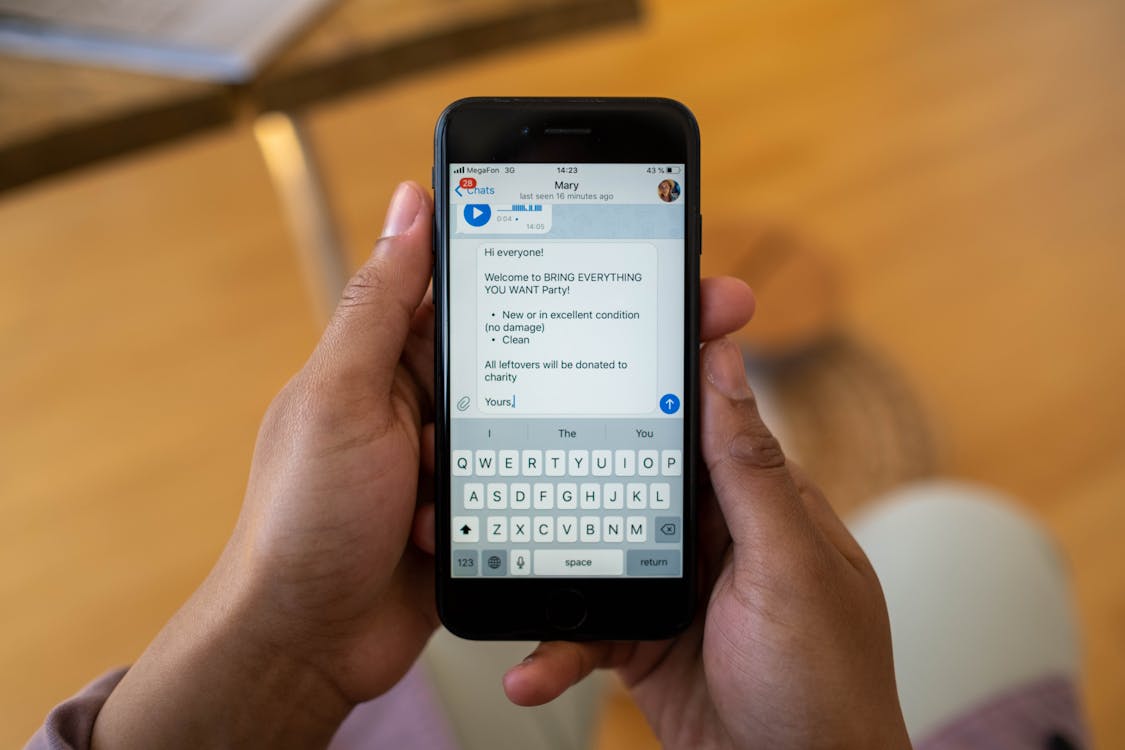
point(759, 499)
point(368, 330)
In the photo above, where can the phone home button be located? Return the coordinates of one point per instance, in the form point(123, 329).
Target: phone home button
point(566, 609)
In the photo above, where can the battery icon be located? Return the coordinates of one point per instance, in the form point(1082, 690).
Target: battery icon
point(672, 170)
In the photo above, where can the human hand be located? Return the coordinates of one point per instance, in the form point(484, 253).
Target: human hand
point(319, 600)
point(793, 649)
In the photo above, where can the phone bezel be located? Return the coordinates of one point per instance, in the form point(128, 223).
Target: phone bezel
point(566, 130)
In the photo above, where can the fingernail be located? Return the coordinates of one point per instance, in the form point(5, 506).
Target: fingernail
point(526, 660)
point(402, 211)
point(725, 369)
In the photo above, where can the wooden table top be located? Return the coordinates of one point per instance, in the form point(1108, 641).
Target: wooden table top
point(958, 163)
point(55, 117)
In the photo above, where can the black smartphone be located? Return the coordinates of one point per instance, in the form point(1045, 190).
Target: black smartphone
point(566, 287)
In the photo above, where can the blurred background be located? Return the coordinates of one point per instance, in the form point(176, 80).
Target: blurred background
point(929, 198)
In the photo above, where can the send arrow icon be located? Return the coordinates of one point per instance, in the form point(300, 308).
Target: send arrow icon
point(477, 214)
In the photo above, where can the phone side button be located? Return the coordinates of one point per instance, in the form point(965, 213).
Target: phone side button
point(566, 609)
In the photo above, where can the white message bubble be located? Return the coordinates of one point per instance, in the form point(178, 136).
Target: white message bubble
point(567, 328)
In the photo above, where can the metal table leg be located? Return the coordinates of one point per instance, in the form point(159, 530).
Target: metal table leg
point(289, 155)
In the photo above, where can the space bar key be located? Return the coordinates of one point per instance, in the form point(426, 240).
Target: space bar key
point(579, 562)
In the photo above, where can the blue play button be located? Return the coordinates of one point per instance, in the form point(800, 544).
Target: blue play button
point(477, 214)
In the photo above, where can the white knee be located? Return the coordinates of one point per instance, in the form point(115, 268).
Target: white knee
point(977, 593)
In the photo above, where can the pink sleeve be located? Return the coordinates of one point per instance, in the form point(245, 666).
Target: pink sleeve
point(408, 717)
point(70, 724)
point(1045, 714)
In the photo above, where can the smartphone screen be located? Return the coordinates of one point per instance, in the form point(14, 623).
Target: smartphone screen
point(566, 366)
point(566, 293)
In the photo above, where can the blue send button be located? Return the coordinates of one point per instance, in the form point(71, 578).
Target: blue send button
point(669, 404)
point(477, 214)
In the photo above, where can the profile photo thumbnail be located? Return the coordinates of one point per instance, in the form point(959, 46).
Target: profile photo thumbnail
point(668, 190)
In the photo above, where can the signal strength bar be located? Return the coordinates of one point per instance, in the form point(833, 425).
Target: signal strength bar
point(459, 170)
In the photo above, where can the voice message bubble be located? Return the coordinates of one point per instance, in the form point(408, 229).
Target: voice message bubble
point(503, 218)
point(567, 328)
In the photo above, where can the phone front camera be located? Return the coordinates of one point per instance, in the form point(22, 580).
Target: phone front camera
point(525, 130)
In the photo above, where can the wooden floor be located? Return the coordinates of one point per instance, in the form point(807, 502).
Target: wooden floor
point(960, 164)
